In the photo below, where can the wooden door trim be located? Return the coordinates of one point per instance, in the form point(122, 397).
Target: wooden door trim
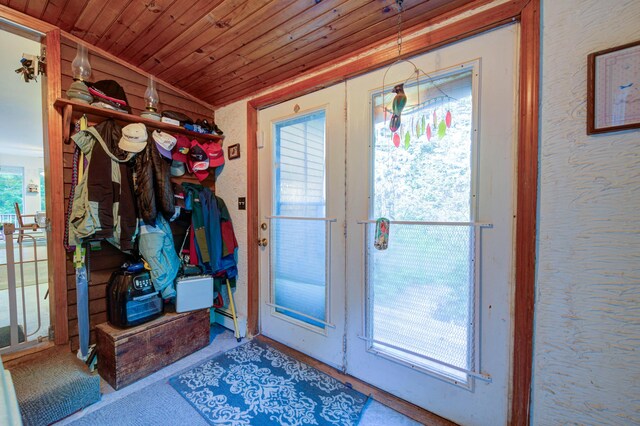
point(55, 187)
point(527, 13)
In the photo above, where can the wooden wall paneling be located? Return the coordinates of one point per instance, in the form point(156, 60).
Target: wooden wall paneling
point(321, 15)
point(164, 13)
point(226, 15)
point(271, 15)
point(527, 207)
point(527, 12)
point(309, 53)
point(53, 160)
point(133, 83)
point(98, 51)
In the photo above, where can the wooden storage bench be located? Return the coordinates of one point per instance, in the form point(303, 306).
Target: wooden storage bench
point(127, 355)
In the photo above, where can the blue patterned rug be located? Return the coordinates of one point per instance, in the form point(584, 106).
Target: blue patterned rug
point(255, 384)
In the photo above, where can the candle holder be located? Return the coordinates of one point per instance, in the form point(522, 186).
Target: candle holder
point(151, 101)
point(78, 91)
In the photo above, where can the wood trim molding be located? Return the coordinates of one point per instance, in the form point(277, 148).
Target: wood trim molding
point(253, 290)
point(26, 20)
point(527, 12)
point(55, 187)
point(526, 211)
point(408, 409)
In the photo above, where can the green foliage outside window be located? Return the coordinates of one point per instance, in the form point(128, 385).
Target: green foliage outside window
point(12, 184)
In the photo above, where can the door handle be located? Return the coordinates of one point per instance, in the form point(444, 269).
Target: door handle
point(263, 242)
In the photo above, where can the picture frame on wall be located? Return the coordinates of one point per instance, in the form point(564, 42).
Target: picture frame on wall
point(613, 89)
point(233, 151)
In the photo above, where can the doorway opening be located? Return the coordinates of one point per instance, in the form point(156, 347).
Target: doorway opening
point(24, 287)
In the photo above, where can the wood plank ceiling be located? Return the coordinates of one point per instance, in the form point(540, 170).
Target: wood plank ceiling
point(225, 50)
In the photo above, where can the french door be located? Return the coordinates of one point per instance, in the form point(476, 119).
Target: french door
point(428, 318)
point(302, 209)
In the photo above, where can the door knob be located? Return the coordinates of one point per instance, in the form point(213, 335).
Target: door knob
point(263, 242)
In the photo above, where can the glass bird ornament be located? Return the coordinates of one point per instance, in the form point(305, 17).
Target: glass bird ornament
point(398, 104)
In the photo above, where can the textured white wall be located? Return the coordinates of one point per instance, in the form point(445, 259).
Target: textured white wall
point(232, 183)
point(587, 315)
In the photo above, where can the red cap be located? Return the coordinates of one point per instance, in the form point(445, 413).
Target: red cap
point(180, 151)
point(215, 153)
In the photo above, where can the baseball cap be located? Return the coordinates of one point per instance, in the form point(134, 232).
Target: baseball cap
point(165, 142)
point(215, 153)
point(177, 168)
point(198, 162)
point(181, 149)
point(134, 138)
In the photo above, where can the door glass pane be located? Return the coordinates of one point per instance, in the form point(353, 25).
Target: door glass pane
point(421, 287)
point(298, 248)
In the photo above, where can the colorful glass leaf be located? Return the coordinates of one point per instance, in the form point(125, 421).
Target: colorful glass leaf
point(435, 120)
point(407, 140)
point(448, 119)
point(396, 139)
point(442, 129)
point(423, 125)
point(428, 132)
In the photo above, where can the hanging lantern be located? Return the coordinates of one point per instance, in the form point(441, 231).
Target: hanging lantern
point(81, 70)
point(151, 100)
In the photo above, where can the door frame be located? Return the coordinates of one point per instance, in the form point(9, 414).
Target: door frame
point(49, 37)
point(527, 13)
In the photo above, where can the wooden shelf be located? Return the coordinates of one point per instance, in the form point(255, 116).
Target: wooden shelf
point(68, 107)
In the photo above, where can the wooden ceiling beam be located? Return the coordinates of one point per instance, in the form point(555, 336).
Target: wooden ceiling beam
point(148, 24)
point(103, 22)
point(139, 54)
point(134, 12)
point(312, 55)
point(91, 12)
point(35, 8)
point(266, 19)
point(225, 26)
point(71, 11)
point(295, 35)
point(52, 12)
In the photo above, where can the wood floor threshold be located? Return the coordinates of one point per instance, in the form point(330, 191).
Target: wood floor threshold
point(32, 350)
point(408, 409)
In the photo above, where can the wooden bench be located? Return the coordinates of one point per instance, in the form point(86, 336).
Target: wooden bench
point(127, 355)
